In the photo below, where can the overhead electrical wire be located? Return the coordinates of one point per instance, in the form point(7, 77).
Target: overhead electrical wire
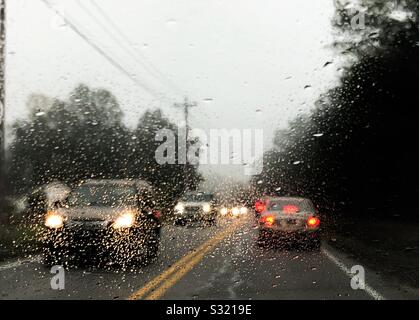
point(135, 54)
point(103, 53)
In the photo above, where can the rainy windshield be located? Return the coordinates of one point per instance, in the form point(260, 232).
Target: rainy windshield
point(110, 196)
point(217, 150)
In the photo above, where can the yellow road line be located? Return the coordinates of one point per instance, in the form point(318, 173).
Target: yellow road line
point(161, 277)
point(157, 293)
point(179, 269)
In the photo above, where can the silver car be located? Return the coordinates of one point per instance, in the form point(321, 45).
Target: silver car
point(288, 220)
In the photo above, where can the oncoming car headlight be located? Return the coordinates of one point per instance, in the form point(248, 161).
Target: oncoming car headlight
point(243, 210)
point(124, 220)
point(179, 208)
point(235, 211)
point(54, 220)
point(224, 211)
point(206, 207)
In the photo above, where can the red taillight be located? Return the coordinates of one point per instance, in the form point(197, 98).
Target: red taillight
point(268, 220)
point(157, 214)
point(313, 222)
point(260, 206)
point(289, 208)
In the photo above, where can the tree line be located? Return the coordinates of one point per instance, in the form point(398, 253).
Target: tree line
point(85, 137)
point(356, 152)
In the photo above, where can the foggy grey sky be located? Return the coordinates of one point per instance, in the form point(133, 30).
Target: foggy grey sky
point(238, 53)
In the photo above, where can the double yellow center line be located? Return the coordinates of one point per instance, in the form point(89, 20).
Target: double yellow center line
point(158, 286)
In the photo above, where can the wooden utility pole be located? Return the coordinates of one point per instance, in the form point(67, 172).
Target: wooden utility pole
point(185, 106)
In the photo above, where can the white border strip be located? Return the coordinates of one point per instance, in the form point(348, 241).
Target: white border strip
point(368, 289)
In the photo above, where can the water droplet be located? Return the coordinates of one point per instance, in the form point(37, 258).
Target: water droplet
point(171, 22)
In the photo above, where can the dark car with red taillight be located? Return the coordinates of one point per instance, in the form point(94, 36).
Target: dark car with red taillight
point(287, 221)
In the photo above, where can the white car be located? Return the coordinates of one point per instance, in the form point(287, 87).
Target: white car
point(196, 207)
point(233, 211)
point(288, 220)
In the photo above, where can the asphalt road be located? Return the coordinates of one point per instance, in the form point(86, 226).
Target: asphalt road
point(221, 262)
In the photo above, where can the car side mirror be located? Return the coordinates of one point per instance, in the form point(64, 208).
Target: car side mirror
point(60, 203)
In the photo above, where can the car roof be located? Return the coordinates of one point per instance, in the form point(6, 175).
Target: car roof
point(288, 199)
point(198, 193)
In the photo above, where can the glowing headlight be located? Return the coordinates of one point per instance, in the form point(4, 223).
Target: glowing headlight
point(224, 211)
point(124, 220)
point(54, 220)
point(235, 211)
point(243, 210)
point(179, 208)
point(206, 207)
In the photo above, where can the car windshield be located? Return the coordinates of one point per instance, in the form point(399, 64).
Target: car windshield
point(297, 205)
point(104, 195)
point(200, 197)
point(209, 149)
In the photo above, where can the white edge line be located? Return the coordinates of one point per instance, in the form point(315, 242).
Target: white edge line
point(19, 262)
point(368, 289)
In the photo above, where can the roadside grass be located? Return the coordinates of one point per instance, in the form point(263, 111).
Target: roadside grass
point(17, 240)
point(389, 247)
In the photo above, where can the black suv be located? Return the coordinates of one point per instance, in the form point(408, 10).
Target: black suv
point(111, 221)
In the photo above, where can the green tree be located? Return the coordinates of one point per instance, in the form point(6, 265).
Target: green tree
point(356, 150)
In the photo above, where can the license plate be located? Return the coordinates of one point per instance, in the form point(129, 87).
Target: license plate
point(88, 225)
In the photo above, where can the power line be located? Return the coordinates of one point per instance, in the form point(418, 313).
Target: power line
point(108, 32)
point(102, 52)
point(147, 64)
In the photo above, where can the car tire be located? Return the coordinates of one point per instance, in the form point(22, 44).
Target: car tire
point(262, 240)
point(314, 245)
point(151, 247)
point(51, 257)
point(210, 222)
point(154, 245)
point(180, 223)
